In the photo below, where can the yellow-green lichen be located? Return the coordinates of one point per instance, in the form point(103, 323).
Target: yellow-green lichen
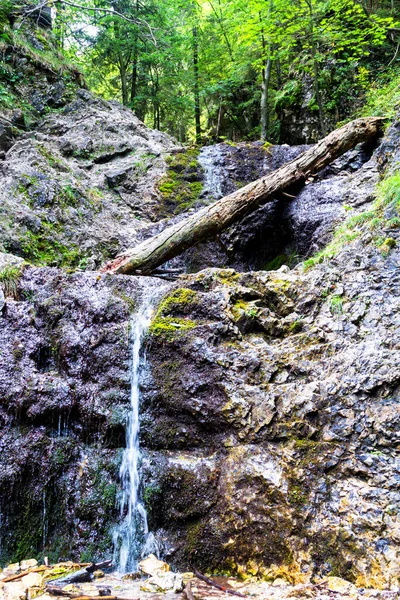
point(165, 323)
point(177, 300)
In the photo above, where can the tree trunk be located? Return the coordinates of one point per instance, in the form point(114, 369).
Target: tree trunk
point(124, 85)
point(196, 84)
point(210, 220)
point(266, 77)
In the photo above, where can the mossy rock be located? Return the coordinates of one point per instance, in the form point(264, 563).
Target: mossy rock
point(181, 186)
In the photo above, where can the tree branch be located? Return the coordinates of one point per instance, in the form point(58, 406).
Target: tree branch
point(93, 9)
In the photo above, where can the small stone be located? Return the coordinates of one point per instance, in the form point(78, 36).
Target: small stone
point(32, 580)
point(163, 582)
point(337, 584)
point(152, 566)
point(15, 590)
point(279, 582)
point(283, 269)
point(28, 564)
point(70, 588)
point(98, 574)
point(12, 568)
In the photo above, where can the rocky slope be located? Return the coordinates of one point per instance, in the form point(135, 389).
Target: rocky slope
point(270, 403)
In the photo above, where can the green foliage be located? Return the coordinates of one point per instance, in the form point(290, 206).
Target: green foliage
point(336, 305)
point(9, 279)
point(383, 95)
point(384, 214)
point(331, 48)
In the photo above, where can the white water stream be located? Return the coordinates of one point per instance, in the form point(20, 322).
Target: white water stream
point(132, 536)
point(211, 160)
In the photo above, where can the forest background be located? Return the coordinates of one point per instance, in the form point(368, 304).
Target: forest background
point(215, 70)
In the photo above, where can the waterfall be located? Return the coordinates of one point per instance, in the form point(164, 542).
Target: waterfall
point(132, 534)
point(211, 159)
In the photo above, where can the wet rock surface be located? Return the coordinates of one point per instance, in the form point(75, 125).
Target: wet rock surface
point(279, 413)
point(76, 191)
point(291, 227)
point(64, 388)
point(270, 403)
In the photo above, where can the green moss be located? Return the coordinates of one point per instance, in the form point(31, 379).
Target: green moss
point(296, 495)
point(227, 276)
point(180, 187)
point(387, 245)
point(44, 249)
point(241, 307)
point(52, 160)
point(169, 327)
point(127, 299)
point(296, 326)
point(9, 279)
point(267, 147)
point(177, 302)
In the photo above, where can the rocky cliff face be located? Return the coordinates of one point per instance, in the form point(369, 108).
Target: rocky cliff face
point(270, 402)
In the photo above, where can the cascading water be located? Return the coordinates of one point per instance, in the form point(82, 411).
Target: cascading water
point(210, 158)
point(132, 535)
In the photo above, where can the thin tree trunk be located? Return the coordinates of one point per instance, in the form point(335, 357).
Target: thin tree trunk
point(219, 119)
point(135, 57)
point(196, 84)
point(210, 220)
point(134, 75)
point(124, 83)
point(266, 78)
point(316, 70)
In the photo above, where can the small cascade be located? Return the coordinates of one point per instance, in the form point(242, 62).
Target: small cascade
point(211, 159)
point(132, 535)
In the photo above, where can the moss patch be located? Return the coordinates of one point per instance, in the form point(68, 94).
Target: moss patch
point(168, 321)
point(181, 186)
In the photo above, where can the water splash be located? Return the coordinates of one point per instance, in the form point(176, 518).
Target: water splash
point(133, 533)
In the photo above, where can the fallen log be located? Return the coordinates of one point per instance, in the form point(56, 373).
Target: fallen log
point(210, 220)
point(56, 591)
point(23, 573)
point(217, 585)
point(188, 591)
point(83, 575)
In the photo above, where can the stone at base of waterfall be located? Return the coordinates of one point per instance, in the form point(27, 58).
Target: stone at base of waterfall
point(31, 563)
point(98, 574)
point(163, 582)
point(341, 586)
point(19, 590)
point(11, 569)
point(152, 566)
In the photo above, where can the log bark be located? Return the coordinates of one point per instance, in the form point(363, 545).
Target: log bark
point(82, 575)
point(210, 220)
point(217, 585)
